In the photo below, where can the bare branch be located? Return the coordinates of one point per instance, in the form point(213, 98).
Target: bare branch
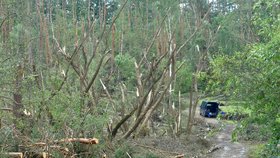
point(2, 23)
point(96, 72)
point(103, 34)
point(7, 109)
point(124, 119)
point(192, 35)
point(107, 92)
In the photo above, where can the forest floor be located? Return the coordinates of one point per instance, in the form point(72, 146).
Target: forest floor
point(223, 144)
point(211, 138)
point(225, 147)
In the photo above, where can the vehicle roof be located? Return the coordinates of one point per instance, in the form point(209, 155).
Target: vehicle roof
point(210, 102)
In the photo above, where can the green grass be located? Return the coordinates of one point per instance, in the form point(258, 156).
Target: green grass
point(255, 151)
point(232, 109)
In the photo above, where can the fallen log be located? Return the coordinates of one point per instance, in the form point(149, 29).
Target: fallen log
point(180, 156)
point(65, 150)
point(14, 154)
point(54, 145)
point(22, 155)
point(79, 140)
point(7, 109)
point(71, 140)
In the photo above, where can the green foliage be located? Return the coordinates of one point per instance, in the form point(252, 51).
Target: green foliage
point(126, 69)
point(233, 18)
point(236, 106)
point(262, 150)
point(266, 18)
point(148, 155)
point(54, 93)
point(183, 79)
point(256, 151)
point(253, 76)
point(122, 152)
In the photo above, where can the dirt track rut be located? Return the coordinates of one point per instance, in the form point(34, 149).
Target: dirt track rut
point(225, 147)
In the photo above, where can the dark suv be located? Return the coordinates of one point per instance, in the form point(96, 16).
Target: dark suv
point(209, 109)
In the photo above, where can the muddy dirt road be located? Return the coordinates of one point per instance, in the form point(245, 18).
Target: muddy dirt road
point(227, 148)
point(224, 147)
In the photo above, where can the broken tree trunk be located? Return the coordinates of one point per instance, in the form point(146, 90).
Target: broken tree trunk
point(71, 140)
point(17, 96)
point(14, 154)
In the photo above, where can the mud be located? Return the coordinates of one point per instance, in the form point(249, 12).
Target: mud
point(223, 146)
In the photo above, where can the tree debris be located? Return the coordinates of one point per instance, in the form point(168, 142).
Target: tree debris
point(214, 148)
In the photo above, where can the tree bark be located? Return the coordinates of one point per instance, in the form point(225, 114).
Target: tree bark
point(18, 106)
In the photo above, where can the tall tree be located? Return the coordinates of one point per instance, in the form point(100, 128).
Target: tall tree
point(251, 76)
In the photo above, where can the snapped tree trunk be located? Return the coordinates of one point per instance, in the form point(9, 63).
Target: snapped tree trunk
point(18, 106)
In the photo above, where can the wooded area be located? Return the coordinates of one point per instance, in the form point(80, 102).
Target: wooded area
point(76, 72)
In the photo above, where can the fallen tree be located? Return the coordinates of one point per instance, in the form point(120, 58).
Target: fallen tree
point(57, 145)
